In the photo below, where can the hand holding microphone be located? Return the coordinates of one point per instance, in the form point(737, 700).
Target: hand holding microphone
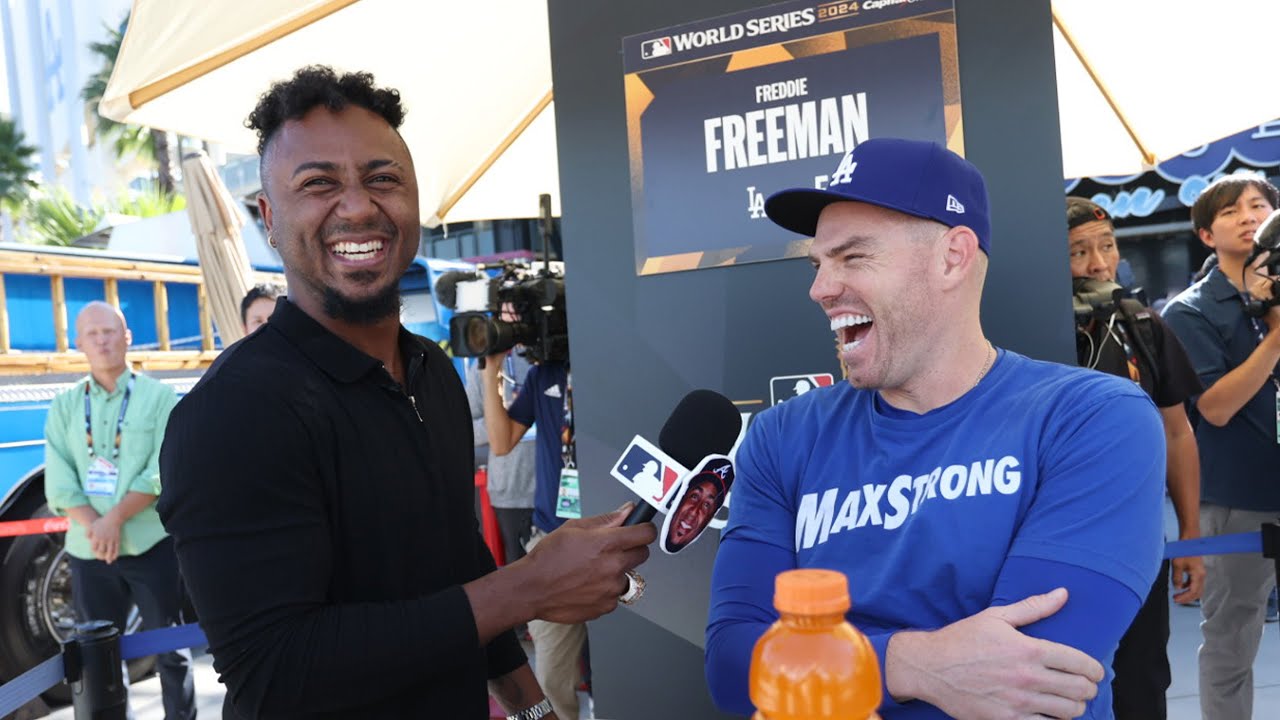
point(580, 570)
point(586, 567)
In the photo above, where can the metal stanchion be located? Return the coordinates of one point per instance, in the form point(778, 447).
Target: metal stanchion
point(1271, 545)
point(93, 666)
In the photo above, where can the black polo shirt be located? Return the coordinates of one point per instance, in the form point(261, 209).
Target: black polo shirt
point(324, 521)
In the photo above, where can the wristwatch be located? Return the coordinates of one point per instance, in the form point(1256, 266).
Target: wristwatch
point(537, 712)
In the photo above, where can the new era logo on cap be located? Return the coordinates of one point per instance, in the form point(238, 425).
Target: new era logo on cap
point(914, 177)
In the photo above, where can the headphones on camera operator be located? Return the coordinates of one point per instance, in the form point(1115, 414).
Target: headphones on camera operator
point(1265, 240)
point(1104, 301)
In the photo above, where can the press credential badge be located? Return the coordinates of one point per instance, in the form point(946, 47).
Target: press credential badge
point(101, 478)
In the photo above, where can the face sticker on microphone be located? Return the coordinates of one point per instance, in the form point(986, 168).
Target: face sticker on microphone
point(702, 493)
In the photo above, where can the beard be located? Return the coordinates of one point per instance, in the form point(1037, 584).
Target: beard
point(363, 312)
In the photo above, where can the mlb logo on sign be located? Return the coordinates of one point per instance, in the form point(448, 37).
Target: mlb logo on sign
point(649, 472)
point(789, 386)
point(658, 47)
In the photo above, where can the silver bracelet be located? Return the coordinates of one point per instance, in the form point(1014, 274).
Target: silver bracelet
point(537, 712)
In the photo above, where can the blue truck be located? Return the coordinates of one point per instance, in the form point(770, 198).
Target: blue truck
point(41, 290)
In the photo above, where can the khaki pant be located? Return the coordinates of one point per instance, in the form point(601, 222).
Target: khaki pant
point(556, 650)
point(1234, 606)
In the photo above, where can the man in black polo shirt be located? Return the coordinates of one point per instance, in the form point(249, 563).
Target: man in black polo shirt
point(321, 493)
point(1132, 342)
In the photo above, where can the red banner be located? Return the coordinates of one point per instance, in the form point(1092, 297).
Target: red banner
point(34, 526)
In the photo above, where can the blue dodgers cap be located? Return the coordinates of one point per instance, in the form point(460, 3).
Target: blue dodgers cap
point(918, 178)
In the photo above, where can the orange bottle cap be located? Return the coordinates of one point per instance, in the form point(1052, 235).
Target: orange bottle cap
point(810, 591)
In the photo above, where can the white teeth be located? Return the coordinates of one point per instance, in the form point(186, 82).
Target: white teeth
point(358, 251)
point(844, 321)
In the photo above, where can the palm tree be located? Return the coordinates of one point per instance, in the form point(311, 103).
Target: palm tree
point(16, 169)
point(127, 141)
point(55, 218)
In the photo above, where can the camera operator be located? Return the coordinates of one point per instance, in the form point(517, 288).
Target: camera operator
point(1233, 343)
point(1117, 335)
point(545, 399)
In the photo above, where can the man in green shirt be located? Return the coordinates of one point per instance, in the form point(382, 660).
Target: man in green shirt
point(102, 470)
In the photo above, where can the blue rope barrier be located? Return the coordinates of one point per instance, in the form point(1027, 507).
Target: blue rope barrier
point(32, 683)
point(1250, 542)
point(24, 688)
point(154, 642)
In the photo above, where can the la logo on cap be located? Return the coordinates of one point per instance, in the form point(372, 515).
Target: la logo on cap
point(954, 205)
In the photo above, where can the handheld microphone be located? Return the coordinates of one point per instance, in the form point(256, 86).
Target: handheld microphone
point(704, 423)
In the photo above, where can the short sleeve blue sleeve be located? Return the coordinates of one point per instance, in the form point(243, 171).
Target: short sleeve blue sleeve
point(1200, 339)
point(1101, 489)
point(522, 408)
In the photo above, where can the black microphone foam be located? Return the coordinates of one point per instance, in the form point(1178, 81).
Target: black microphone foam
point(703, 423)
point(447, 286)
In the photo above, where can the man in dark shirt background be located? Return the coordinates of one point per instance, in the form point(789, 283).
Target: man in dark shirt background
point(1137, 345)
point(321, 493)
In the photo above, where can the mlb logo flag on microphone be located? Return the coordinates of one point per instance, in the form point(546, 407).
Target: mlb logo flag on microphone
point(649, 472)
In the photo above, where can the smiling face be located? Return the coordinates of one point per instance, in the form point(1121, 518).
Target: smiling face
point(697, 507)
point(872, 281)
point(341, 203)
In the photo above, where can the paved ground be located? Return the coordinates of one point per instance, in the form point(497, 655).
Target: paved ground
point(1184, 694)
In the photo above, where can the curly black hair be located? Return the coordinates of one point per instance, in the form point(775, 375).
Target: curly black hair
point(316, 85)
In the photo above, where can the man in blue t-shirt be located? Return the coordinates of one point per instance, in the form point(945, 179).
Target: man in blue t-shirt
point(557, 647)
point(993, 560)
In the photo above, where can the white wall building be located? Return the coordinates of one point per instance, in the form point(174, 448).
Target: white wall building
point(46, 63)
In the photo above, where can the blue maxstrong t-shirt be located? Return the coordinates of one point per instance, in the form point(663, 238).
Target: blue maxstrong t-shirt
point(541, 400)
point(1039, 461)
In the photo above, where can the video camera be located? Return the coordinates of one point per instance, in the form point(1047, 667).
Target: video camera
point(535, 299)
point(1266, 240)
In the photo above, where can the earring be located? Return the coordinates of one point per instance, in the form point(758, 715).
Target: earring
point(270, 240)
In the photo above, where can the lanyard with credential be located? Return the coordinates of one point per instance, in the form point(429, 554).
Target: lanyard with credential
point(568, 444)
point(88, 419)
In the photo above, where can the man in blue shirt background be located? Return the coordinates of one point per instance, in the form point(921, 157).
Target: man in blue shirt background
point(557, 647)
point(1237, 421)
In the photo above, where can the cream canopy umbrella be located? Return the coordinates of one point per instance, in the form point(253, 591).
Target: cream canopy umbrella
point(216, 223)
point(475, 79)
point(1142, 81)
point(1139, 81)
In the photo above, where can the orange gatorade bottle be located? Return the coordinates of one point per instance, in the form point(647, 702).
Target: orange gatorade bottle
point(812, 664)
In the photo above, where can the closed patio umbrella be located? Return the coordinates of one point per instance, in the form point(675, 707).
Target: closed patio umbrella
point(216, 221)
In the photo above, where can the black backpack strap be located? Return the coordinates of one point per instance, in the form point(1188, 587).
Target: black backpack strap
point(1138, 320)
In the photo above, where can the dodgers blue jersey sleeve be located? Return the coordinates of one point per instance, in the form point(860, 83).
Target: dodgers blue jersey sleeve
point(1039, 462)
